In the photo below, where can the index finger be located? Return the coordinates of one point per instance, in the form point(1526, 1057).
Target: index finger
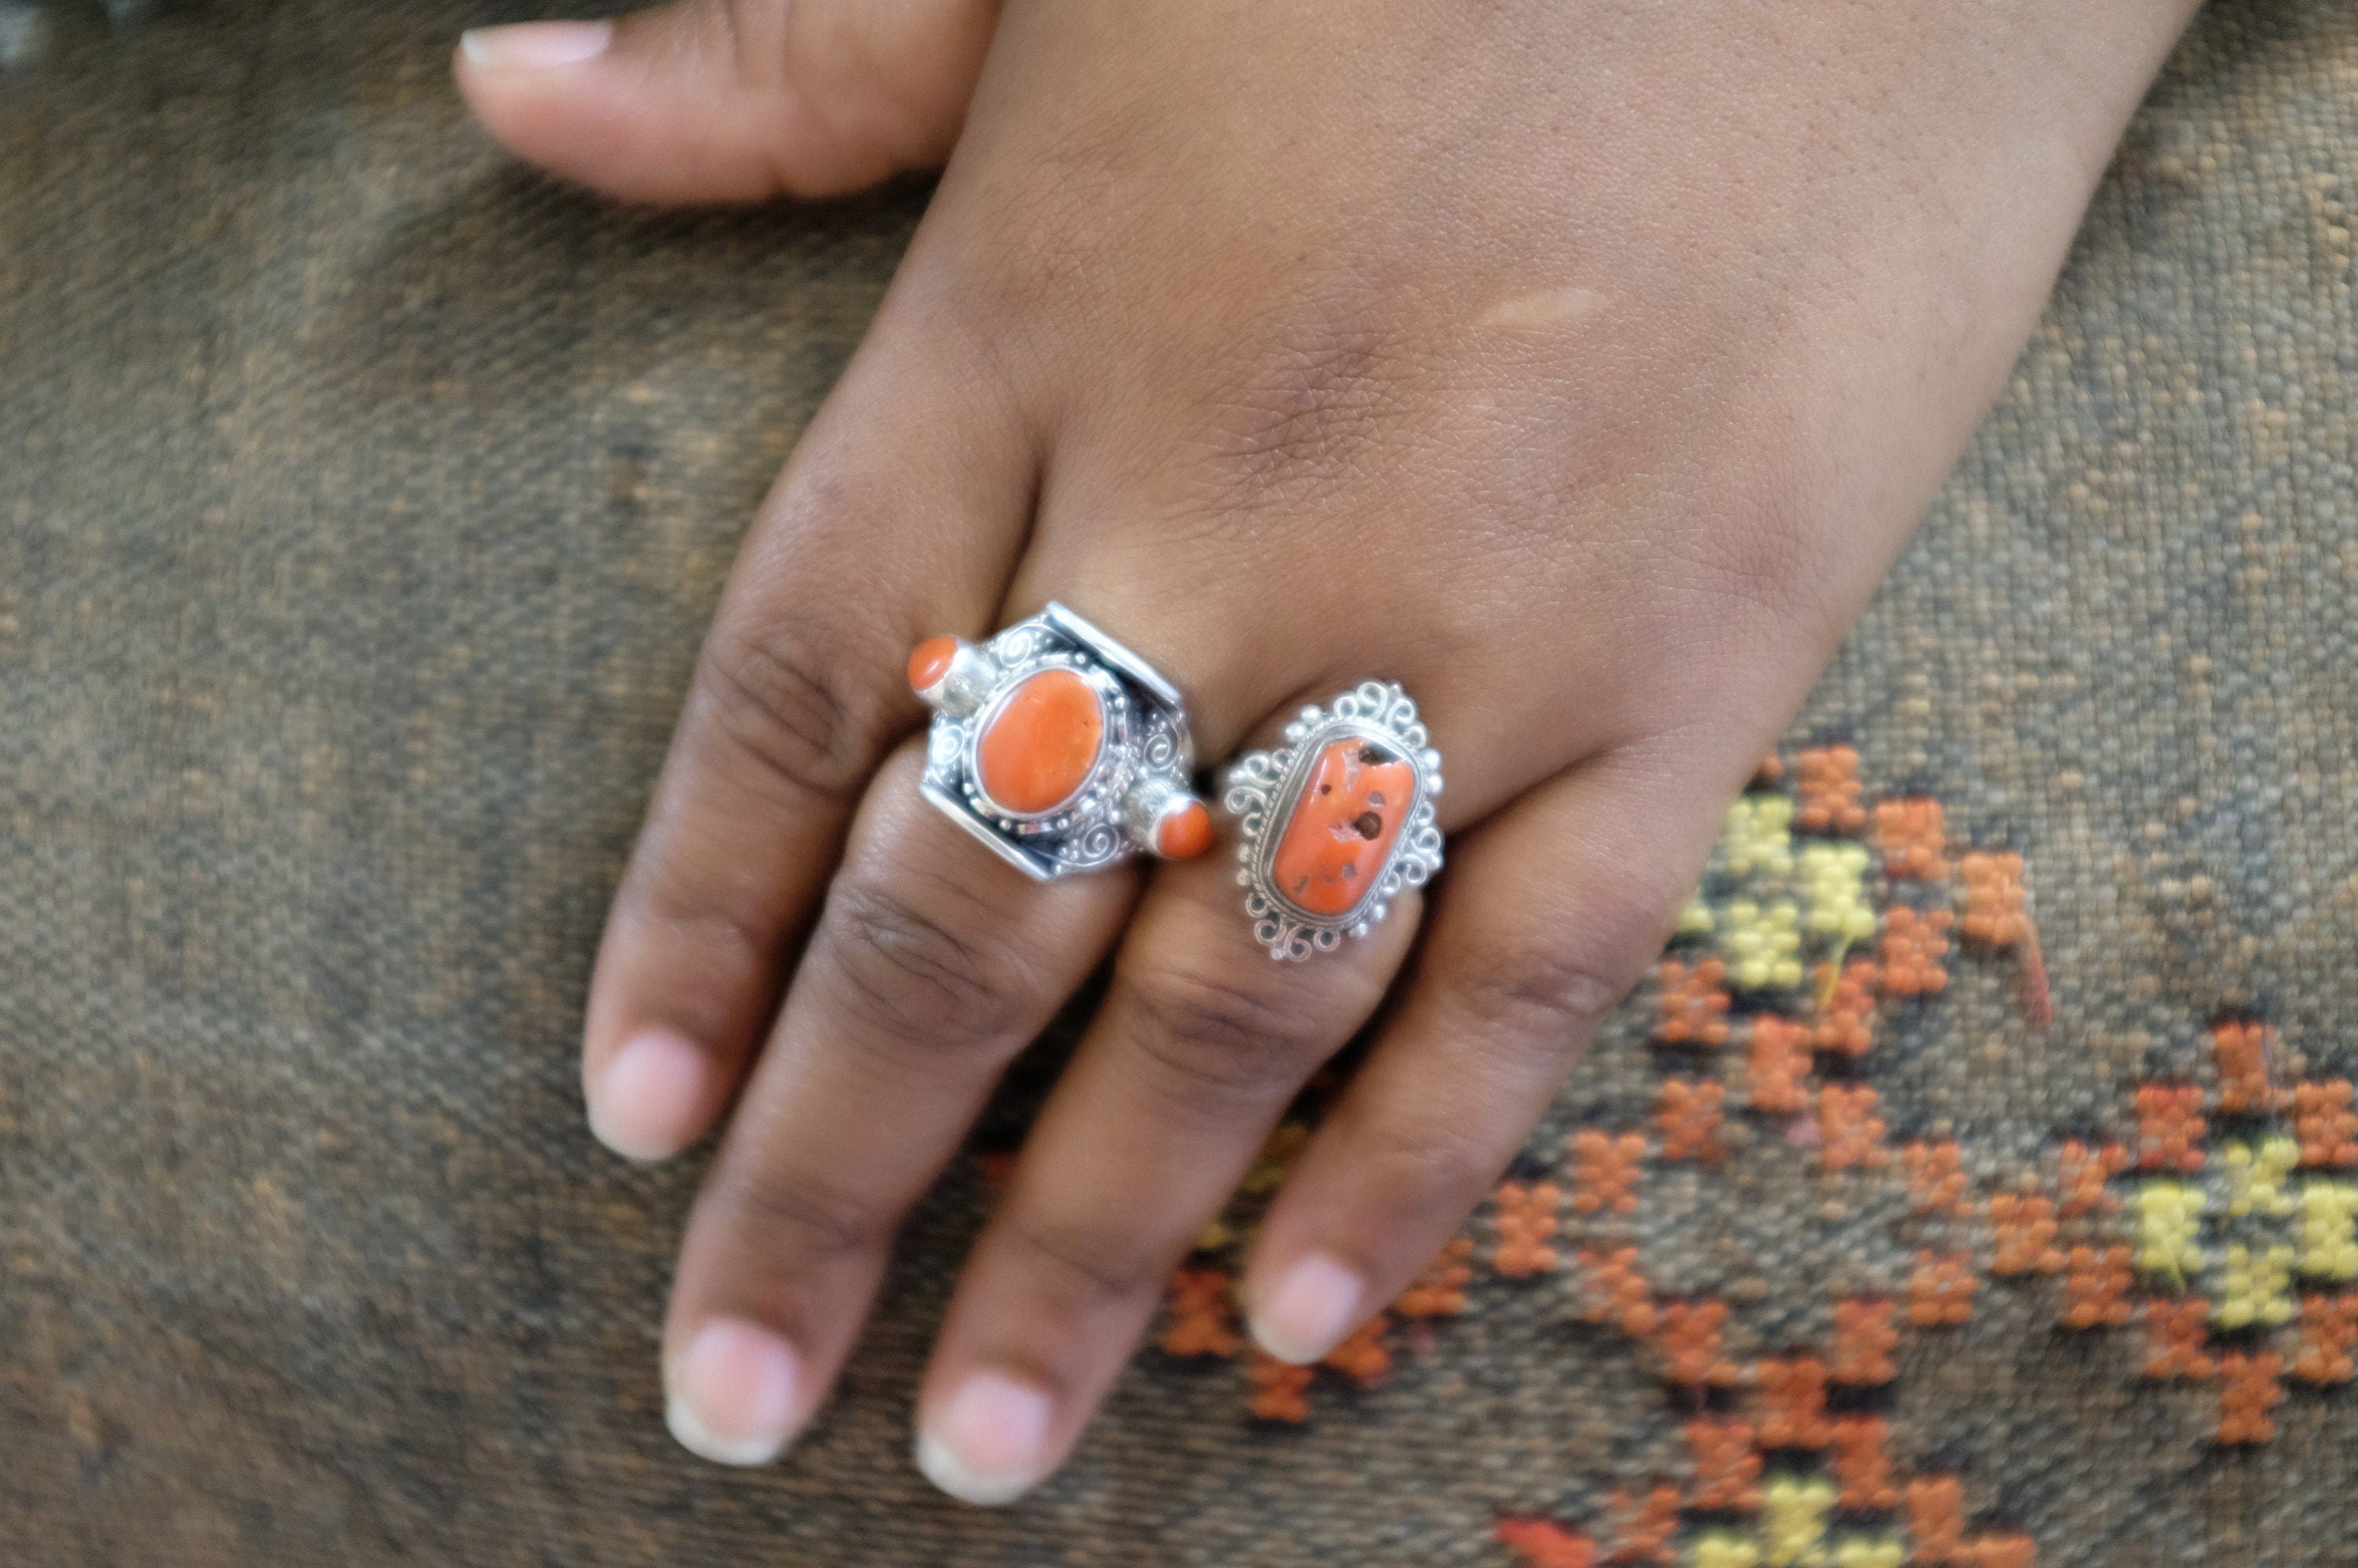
point(875, 536)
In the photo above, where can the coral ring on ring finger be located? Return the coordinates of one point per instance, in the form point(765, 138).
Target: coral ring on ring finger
point(1058, 747)
point(1336, 821)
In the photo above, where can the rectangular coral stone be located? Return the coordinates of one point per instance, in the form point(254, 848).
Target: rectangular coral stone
point(1341, 829)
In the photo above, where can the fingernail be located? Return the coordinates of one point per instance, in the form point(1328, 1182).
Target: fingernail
point(1313, 1304)
point(989, 1442)
point(733, 1394)
point(649, 1103)
point(537, 46)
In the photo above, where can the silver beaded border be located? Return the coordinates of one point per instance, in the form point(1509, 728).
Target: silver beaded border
point(1262, 789)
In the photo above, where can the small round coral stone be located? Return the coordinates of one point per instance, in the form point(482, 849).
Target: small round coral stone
point(930, 660)
point(1039, 746)
point(1185, 833)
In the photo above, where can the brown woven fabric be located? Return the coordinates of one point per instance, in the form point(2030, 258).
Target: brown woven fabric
point(362, 500)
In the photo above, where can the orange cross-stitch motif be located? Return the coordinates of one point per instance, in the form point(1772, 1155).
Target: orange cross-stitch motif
point(2010, 1551)
point(1830, 789)
point(1440, 1291)
point(2242, 1049)
point(1543, 1543)
point(1645, 1527)
point(1525, 1219)
point(2249, 1390)
point(2081, 1171)
point(2096, 1288)
point(1280, 1390)
point(1862, 1468)
point(2024, 1227)
point(1727, 1464)
point(1936, 1518)
point(1941, 1291)
point(1690, 1119)
point(1864, 1338)
point(2170, 1127)
point(2176, 1334)
point(2326, 1125)
point(1914, 838)
point(1845, 1023)
point(1936, 1176)
point(1605, 1171)
point(1694, 1003)
point(1775, 1064)
point(1913, 946)
point(1363, 1358)
point(1850, 1133)
point(1201, 1317)
point(1618, 1292)
point(2329, 1334)
point(1993, 899)
point(1793, 1401)
point(1688, 1335)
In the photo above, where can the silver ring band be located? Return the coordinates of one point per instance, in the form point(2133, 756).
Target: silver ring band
point(1334, 822)
point(1058, 747)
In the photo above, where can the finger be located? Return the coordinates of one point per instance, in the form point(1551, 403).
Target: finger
point(1199, 1046)
point(1544, 918)
point(933, 964)
point(732, 100)
point(900, 515)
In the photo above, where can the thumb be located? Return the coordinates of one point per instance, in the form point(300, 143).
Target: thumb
point(703, 101)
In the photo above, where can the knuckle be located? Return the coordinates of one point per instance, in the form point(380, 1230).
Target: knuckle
point(1543, 984)
point(790, 1217)
point(1548, 995)
point(789, 697)
point(1423, 1166)
point(1299, 418)
point(710, 919)
point(911, 975)
point(1082, 1262)
point(1082, 208)
point(1766, 569)
point(1230, 1038)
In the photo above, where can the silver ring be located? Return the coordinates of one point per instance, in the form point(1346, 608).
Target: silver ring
point(1336, 821)
point(1058, 747)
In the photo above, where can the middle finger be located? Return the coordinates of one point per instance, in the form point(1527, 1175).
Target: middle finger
point(1200, 1045)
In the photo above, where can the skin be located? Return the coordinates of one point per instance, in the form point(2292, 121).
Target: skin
point(1582, 366)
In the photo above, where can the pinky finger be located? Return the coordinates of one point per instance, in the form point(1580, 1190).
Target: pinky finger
point(1549, 914)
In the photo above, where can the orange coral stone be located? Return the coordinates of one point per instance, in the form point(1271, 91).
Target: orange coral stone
point(929, 661)
point(1184, 833)
point(1342, 830)
point(1039, 746)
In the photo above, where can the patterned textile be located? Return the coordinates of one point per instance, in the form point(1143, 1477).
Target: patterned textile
point(1973, 1183)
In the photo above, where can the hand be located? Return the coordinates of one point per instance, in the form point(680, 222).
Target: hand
point(1582, 367)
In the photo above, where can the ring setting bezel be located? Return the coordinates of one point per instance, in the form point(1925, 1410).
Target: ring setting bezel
point(1145, 757)
point(1263, 789)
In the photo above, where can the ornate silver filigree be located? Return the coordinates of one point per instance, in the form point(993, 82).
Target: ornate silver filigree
point(1145, 763)
point(1262, 789)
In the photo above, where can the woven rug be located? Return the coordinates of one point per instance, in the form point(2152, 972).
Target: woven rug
point(1975, 1184)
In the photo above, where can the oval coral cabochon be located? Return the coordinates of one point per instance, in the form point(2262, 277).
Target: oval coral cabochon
point(1038, 746)
point(1342, 825)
